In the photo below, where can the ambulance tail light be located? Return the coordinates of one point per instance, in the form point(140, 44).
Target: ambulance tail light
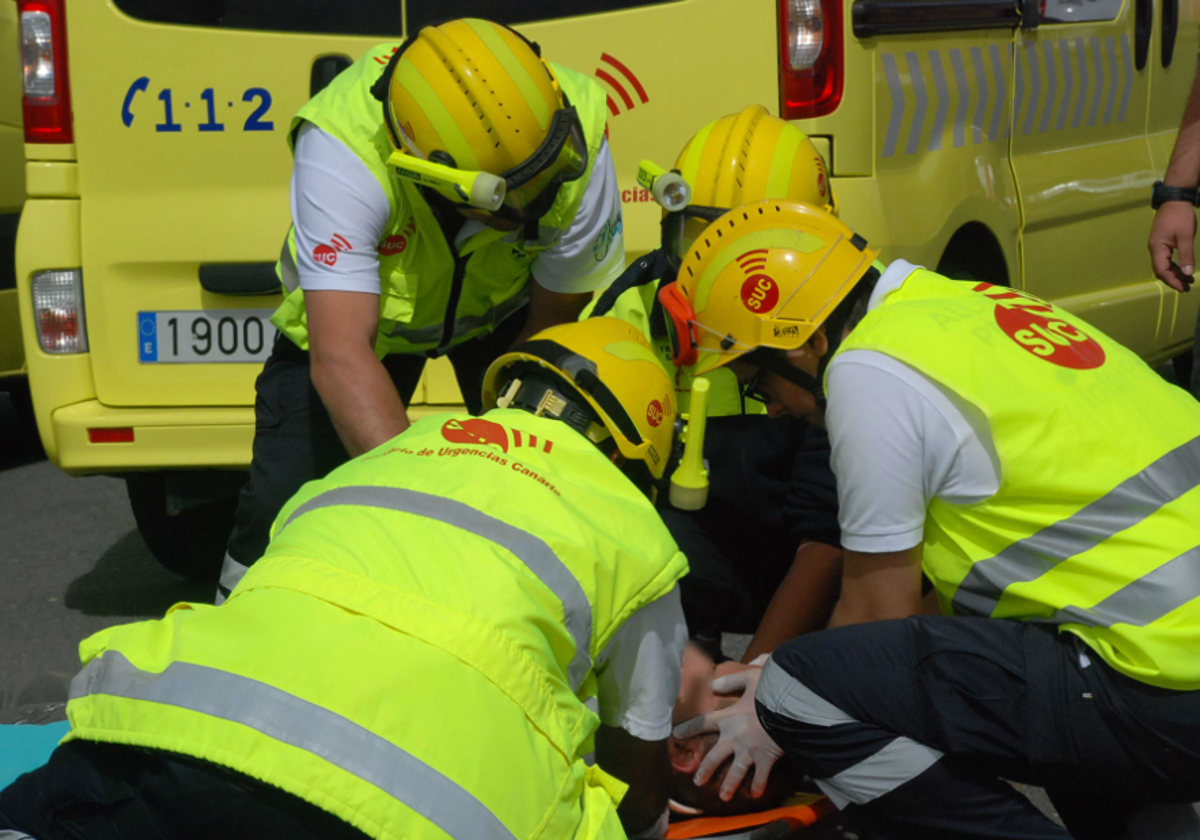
point(58, 311)
point(810, 58)
point(47, 101)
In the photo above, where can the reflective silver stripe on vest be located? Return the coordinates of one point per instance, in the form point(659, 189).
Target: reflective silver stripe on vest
point(533, 552)
point(1124, 506)
point(1147, 599)
point(288, 272)
point(491, 319)
point(301, 724)
point(900, 760)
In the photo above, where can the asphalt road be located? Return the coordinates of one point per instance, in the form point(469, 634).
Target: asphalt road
point(71, 563)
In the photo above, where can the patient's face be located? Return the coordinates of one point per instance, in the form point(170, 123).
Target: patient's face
point(696, 697)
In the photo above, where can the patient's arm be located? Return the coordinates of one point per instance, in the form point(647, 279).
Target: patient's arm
point(646, 768)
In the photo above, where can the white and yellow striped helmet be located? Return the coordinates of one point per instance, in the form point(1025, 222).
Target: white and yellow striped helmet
point(741, 158)
point(752, 156)
point(476, 96)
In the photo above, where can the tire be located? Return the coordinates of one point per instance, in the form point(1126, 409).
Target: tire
point(191, 542)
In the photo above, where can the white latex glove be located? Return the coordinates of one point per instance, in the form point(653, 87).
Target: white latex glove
point(741, 735)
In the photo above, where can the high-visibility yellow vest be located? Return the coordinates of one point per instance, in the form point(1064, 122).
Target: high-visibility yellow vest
point(417, 267)
point(412, 652)
point(1096, 525)
point(633, 306)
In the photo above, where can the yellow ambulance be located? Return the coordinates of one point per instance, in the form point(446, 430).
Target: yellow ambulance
point(1007, 140)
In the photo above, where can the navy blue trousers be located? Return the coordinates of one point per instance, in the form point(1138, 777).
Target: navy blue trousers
point(92, 791)
point(915, 725)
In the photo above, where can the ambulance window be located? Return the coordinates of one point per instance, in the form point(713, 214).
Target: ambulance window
point(328, 17)
point(515, 11)
point(1077, 11)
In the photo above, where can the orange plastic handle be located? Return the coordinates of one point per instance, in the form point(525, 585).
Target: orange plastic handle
point(797, 816)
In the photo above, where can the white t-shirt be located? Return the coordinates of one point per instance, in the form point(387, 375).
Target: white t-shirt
point(638, 672)
point(340, 213)
point(900, 440)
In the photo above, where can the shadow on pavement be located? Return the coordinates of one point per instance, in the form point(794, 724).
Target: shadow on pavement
point(19, 443)
point(127, 581)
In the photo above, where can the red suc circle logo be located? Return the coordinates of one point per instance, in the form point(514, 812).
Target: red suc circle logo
point(1038, 328)
point(1051, 339)
point(393, 245)
point(325, 254)
point(654, 413)
point(760, 293)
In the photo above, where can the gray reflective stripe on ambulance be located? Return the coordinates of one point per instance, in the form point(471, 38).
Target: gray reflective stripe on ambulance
point(1068, 89)
point(537, 556)
point(960, 116)
point(1146, 600)
point(1051, 86)
point(301, 724)
point(1045, 92)
point(492, 318)
point(900, 761)
point(288, 273)
point(1124, 506)
point(943, 101)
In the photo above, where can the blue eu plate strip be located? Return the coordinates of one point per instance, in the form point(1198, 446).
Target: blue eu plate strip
point(147, 337)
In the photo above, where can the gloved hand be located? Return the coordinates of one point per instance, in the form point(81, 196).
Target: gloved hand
point(741, 735)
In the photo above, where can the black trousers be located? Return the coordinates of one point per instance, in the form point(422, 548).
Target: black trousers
point(294, 437)
point(917, 722)
point(91, 791)
point(770, 488)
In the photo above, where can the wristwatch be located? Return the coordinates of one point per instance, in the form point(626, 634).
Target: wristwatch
point(1162, 194)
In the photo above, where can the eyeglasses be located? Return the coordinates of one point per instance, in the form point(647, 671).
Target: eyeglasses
point(752, 388)
point(768, 361)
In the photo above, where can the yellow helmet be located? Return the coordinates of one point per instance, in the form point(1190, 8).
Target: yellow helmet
point(608, 363)
point(762, 275)
point(475, 96)
point(752, 156)
point(743, 157)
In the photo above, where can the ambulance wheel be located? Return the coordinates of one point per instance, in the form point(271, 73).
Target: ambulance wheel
point(190, 542)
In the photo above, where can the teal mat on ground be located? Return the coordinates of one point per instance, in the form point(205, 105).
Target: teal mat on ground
point(27, 747)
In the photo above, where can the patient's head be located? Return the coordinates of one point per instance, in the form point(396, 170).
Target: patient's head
point(696, 697)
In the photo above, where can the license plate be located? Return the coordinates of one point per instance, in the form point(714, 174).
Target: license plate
point(207, 335)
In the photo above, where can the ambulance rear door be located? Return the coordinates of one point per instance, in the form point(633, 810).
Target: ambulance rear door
point(1083, 165)
point(180, 115)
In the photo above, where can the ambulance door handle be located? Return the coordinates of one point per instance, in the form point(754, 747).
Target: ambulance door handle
point(1170, 29)
point(1143, 24)
point(237, 279)
point(325, 70)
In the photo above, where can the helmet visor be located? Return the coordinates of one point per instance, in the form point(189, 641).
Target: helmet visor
point(682, 228)
point(562, 157)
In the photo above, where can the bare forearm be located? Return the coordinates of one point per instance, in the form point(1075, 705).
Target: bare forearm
point(546, 309)
point(804, 600)
point(1184, 168)
point(360, 397)
point(879, 587)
